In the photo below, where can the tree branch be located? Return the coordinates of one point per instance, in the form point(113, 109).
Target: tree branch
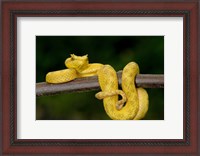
point(91, 83)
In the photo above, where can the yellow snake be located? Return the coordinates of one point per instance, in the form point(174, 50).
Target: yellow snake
point(134, 102)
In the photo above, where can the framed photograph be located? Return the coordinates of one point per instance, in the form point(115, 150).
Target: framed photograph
point(65, 63)
point(118, 51)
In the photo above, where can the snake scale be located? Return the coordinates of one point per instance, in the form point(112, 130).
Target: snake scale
point(134, 102)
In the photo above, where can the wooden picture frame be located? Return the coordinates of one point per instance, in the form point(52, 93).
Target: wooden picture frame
point(188, 10)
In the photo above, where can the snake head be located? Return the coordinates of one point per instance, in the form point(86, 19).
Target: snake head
point(77, 62)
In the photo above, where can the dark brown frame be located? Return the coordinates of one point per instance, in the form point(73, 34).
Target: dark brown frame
point(189, 10)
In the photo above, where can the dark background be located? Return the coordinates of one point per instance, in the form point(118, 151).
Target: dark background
point(51, 52)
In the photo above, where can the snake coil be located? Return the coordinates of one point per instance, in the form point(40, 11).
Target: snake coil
point(134, 102)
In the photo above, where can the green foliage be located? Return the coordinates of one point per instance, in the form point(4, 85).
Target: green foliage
point(51, 52)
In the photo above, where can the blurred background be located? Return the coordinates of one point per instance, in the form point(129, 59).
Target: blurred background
point(51, 52)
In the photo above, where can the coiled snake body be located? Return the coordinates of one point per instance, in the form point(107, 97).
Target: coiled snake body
point(134, 102)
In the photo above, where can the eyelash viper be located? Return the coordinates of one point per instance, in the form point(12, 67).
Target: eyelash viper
point(134, 102)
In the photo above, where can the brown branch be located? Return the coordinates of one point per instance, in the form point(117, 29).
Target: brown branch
point(91, 83)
